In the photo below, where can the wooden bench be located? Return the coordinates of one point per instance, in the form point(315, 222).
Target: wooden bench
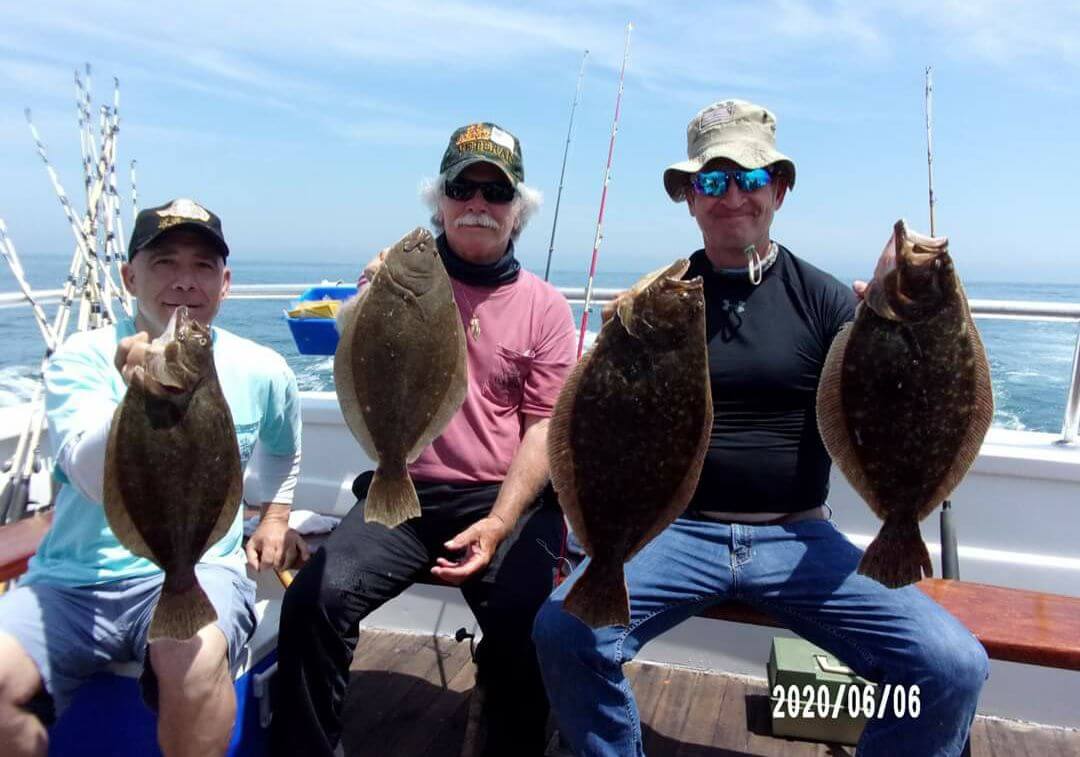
point(1014, 625)
point(18, 542)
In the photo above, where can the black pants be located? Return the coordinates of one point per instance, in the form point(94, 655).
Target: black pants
point(362, 565)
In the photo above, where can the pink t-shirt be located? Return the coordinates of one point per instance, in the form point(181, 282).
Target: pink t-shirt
point(525, 350)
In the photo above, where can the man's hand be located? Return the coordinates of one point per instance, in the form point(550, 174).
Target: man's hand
point(610, 307)
point(131, 355)
point(859, 288)
point(479, 542)
point(275, 545)
point(372, 267)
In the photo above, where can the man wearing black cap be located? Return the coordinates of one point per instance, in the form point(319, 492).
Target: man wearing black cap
point(482, 526)
point(97, 597)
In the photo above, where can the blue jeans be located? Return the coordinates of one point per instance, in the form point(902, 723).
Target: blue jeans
point(804, 574)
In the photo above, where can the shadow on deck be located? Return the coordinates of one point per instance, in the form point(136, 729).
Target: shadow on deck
point(409, 696)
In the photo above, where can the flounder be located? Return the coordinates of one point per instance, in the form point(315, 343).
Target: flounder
point(400, 369)
point(173, 480)
point(905, 399)
point(629, 434)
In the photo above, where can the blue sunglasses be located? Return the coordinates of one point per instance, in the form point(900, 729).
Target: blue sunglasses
point(716, 183)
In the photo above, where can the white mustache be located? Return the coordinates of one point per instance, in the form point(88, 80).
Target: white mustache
point(477, 219)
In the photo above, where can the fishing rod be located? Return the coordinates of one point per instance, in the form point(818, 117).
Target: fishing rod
point(603, 196)
point(562, 173)
point(950, 563)
point(7, 249)
point(80, 231)
point(930, 143)
point(85, 270)
point(134, 195)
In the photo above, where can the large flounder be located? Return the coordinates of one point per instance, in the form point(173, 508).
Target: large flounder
point(173, 480)
point(905, 398)
point(400, 369)
point(629, 434)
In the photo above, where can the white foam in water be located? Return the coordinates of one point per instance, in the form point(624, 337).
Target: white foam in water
point(317, 376)
point(17, 385)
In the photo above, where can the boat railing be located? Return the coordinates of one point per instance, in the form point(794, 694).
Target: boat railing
point(980, 308)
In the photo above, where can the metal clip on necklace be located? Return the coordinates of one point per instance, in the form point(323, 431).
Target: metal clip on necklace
point(753, 258)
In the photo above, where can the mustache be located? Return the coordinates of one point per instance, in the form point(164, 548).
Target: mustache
point(476, 219)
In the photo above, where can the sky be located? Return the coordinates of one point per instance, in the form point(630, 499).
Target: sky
point(308, 126)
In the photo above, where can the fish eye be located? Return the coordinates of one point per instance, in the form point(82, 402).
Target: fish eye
point(202, 341)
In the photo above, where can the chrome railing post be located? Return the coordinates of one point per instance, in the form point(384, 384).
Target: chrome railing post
point(1072, 402)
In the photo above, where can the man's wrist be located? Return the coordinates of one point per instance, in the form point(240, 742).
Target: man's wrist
point(275, 511)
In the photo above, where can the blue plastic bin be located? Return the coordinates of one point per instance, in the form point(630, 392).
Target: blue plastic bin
point(318, 336)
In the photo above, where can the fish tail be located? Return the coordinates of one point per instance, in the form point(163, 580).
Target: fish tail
point(599, 598)
point(391, 498)
point(182, 609)
point(897, 556)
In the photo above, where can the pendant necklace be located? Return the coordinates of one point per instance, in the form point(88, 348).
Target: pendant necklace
point(474, 319)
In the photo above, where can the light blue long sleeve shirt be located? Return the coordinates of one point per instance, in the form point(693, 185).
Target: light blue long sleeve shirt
point(83, 390)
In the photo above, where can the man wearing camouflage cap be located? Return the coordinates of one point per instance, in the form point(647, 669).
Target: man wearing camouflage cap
point(758, 528)
point(485, 525)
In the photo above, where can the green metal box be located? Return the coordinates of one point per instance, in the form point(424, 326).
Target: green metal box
point(814, 696)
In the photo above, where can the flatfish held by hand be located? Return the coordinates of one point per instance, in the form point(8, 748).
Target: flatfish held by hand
point(400, 369)
point(629, 434)
point(173, 480)
point(905, 399)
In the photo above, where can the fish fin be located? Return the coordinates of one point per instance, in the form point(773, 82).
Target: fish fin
point(391, 499)
point(981, 418)
point(832, 423)
point(685, 491)
point(897, 556)
point(561, 455)
point(452, 400)
point(180, 614)
point(600, 598)
point(116, 513)
point(345, 385)
point(235, 494)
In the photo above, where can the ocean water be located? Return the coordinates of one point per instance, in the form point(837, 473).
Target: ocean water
point(1030, 361)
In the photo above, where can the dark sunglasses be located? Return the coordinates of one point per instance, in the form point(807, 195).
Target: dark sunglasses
point(496, 192)
point(716, 183)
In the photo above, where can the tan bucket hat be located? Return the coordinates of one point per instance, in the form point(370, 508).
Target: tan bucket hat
point(734, 129)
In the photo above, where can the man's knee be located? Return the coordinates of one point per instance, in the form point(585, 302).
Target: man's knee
point(956, 662)
point(20, 680)
point(558, 635)
point(191, 670)
point(314, 593)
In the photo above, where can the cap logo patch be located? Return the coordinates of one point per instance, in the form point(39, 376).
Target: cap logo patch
point(183, 209)
point(500, 137)
point(717, 115)
point(473, 133)
point(169, 221)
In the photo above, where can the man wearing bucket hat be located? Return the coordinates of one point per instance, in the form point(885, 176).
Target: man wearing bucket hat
point(758, 528)
point(485, 525)
point(86, 600)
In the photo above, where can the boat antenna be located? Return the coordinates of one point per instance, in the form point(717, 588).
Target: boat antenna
point(603, 196)
point(562, 173)
point(930, 143)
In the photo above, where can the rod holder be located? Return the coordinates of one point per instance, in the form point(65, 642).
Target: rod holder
point(950, 560)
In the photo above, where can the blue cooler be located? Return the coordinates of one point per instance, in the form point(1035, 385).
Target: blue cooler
point(318, 336)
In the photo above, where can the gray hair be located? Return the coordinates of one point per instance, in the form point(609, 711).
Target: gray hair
point(526, 202)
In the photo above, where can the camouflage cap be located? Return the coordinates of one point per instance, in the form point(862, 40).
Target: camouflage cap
point(181, 213)
point(483, 143)
point(732, 129)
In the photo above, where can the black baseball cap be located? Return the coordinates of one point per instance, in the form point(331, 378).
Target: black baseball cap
point(180, 213)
